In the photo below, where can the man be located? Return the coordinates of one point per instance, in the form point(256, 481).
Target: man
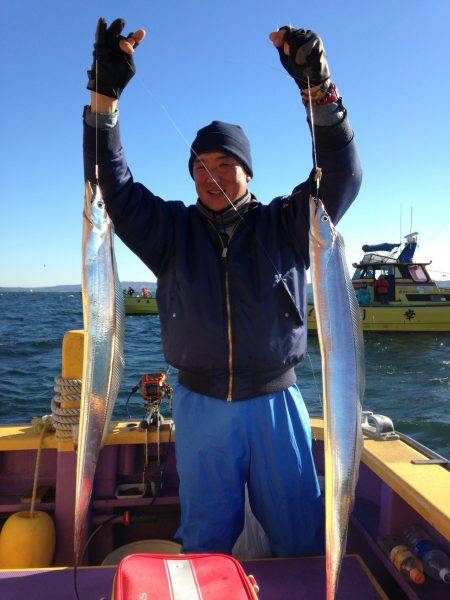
point(382, 287)
point(232, 301)
point(363, 295)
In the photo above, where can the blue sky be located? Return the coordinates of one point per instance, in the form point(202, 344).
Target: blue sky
point(205, 60)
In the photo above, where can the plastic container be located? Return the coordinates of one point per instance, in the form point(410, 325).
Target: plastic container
point(436, 563)
point(402, 558)
point(130, 490)
point(146, 546)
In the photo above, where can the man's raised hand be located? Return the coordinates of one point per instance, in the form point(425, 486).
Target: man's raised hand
point(113, 65)
point(302, 55)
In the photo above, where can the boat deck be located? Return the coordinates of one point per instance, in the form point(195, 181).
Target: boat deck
point(278, 579)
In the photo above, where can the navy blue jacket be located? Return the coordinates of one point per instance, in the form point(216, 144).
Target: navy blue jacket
point(234, 326)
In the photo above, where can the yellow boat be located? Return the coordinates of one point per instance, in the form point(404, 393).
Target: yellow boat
point(414, 301)
point(136, 305)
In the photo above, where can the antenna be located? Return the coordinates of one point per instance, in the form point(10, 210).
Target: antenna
point(410, 222)
point(400, 236)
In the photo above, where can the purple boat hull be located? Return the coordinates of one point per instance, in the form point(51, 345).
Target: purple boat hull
point(280, 579)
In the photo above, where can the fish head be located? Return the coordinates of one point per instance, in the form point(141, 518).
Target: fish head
point(321, 228)
point(94, 207)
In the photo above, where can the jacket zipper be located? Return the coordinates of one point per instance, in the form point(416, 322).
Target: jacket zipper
point(229, 329)
point(224, 259)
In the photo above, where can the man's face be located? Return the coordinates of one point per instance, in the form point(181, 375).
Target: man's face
point(219, 178)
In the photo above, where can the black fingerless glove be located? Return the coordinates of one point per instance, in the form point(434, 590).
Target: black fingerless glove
point(114, 67)
point(307, 58)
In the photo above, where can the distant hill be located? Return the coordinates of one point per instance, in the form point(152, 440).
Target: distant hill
point(136, 285)
point(76, 288)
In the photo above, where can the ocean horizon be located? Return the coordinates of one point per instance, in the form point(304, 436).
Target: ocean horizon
point(407, 375)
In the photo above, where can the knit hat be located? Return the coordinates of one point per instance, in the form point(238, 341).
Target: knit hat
point(220, 136)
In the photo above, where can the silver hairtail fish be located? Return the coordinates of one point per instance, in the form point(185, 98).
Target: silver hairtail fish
point(343, 379)
point(103, 358)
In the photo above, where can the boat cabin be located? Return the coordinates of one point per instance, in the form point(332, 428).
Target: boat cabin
point(407, 281)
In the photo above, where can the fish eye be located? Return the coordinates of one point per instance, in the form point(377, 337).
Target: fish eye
point(323, 218)
point(100, 203)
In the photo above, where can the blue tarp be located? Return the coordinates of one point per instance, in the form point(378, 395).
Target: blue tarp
point(383, 247)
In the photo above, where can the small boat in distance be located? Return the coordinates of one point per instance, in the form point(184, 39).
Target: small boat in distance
point(397, 294)
point(136, 305)
point(413, 300)
point(143, 303)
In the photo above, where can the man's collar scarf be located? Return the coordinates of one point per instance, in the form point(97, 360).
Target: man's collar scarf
point(228, 217)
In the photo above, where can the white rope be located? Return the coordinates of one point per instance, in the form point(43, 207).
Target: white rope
point(58, 410)
point(67, 385)
point(65, 419)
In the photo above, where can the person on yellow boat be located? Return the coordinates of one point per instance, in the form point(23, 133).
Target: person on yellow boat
point(232, 299)
point(382, 287)
point(363, 295)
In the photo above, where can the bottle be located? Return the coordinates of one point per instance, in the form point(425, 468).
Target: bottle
point(402, 558)
point(436, 563)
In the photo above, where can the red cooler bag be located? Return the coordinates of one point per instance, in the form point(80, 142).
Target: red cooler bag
point(182, 577)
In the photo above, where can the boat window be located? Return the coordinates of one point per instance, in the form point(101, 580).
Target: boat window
point(417, 273)
point(386, 270)
point(405, 272)
point(365, 273)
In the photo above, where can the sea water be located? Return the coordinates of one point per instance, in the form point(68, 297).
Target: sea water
point(407, 375)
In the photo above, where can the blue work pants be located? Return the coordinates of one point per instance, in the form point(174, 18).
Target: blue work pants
point(264, 442)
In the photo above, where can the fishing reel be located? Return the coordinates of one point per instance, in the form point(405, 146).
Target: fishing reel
point(154, 388)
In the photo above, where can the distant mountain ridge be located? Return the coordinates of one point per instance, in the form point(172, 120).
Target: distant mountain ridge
point(136, 285)
point(76, 288)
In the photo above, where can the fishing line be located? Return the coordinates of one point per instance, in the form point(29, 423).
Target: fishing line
point(96, 122)
point(317, 177)
point(317, 174)
point(186, 142)
point(436, 233)
point(183, 137)
point(311, 116)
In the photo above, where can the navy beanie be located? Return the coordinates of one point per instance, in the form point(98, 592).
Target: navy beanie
point(220, 136)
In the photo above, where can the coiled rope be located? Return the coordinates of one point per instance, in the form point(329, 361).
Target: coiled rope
point(65, 419)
